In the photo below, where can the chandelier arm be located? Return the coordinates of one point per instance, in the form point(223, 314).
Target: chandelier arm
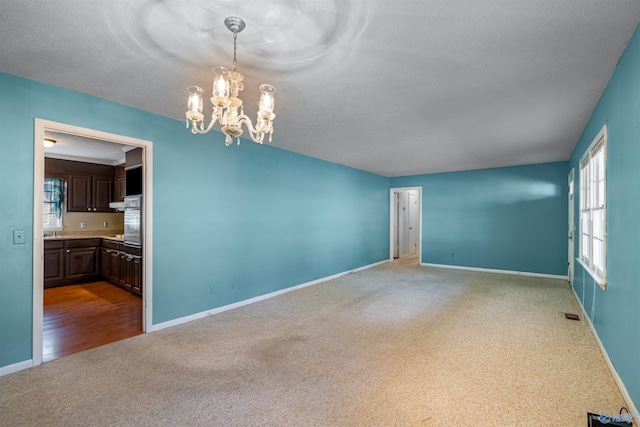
point(196, 129)
point(244, 119)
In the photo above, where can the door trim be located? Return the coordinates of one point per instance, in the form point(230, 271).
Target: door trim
point(571, 228)
point(40, 126)
point(392, 219)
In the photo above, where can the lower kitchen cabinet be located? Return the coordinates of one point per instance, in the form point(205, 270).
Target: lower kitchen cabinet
point(105, 262)
point(67, 262)
point(72, 261)
point(81, 263)
point(122, 271)
point(134, 274)
point(123, 266)
point(133, 269)
point(53, 262)
point(115, 272)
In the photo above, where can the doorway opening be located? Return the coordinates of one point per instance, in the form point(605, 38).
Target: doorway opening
point(75, 257)
point(405, 246)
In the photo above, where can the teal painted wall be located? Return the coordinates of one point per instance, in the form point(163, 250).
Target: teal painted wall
point(615, 313)
point(512, 218)
point(247, 220)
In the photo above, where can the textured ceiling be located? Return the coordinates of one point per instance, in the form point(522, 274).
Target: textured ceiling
point(392, 87)
point(83, 149)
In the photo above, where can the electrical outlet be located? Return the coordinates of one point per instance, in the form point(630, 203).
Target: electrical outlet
point(106, 224)
point(212, 289)
point(83, 224)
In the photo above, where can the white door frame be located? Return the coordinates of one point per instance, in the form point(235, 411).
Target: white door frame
point(412, 223)
point(392, 220)
point(571, 200)
point(38, 242)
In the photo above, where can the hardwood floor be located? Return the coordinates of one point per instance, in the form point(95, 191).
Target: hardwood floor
point(407, 260)
point(80, 317)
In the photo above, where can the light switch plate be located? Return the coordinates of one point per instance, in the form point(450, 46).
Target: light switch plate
point(19, 237)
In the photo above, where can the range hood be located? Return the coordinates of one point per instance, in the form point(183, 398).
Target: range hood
point(117, 206)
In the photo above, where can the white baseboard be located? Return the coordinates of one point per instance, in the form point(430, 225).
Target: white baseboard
point(10, 369)
point(623, 390)
point(491, 270)
point(217, 310)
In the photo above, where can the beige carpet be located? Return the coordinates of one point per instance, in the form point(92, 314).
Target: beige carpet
point(392, 345)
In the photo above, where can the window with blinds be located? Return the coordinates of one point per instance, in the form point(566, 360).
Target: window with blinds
point(52, 203)
point(593, 208)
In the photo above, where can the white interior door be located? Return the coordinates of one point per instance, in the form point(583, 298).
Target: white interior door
point(403, 221)
point(571, 228)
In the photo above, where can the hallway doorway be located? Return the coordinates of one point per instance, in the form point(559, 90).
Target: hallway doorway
point(406, 224)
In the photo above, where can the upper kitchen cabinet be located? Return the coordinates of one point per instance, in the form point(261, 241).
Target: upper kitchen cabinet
point(89, 193)
point(89, 185)
point(134, 172)
point(79, 193)
point(119, 184)
point(133, 158)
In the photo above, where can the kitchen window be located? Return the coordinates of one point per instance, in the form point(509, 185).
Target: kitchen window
point(52, 203)
point(593, 208)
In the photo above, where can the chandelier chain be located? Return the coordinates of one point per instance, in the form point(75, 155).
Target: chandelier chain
point(235, 36)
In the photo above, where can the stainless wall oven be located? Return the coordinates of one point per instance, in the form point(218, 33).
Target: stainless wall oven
point(133, 220)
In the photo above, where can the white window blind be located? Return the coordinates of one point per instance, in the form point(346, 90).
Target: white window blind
point(52, 204)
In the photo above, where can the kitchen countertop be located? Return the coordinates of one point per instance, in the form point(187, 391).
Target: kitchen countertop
point(114, 238)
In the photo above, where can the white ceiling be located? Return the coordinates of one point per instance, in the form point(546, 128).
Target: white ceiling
point(393, 87)
point(84, 149)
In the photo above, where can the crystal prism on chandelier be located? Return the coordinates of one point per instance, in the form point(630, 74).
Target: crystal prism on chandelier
point(227, 106)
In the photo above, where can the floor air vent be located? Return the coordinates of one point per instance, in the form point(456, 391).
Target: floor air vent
point(571, 316)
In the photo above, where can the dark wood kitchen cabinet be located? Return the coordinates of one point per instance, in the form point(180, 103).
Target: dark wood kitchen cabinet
point(53, 262)
point(124, 265)
point(122, 271)
point(67, 262)
point(134, 274)
point(79, 193)
point(82, 263)
point(115, 271)
point(105, 262)
point(89, 193)
point(133, 158)
point(119, 184)
point(102, 193)
point(89, 185)
point(133, 269)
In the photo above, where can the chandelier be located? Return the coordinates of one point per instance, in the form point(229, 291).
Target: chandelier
point(227, 106)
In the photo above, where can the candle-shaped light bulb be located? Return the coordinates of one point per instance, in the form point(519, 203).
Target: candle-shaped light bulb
point(220, 83)
point(194, 104)
point(267, 93)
